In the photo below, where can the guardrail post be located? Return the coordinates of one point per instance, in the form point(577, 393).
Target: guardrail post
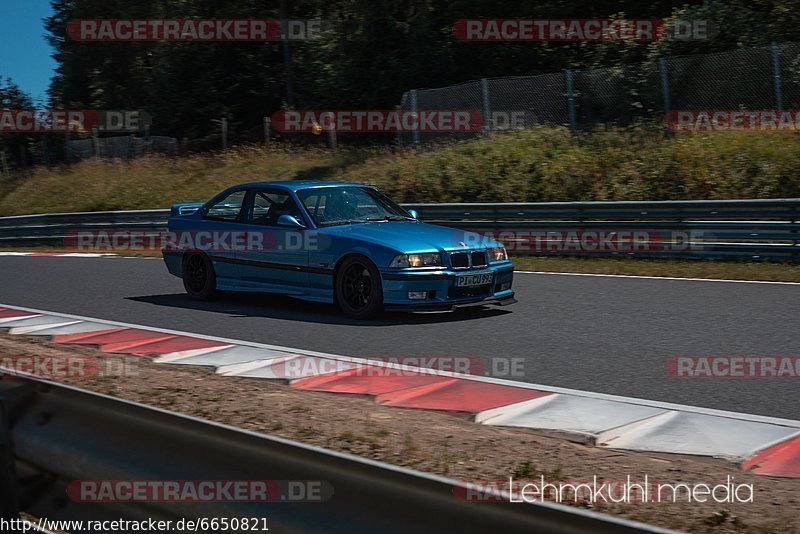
point(795, 234)
point(9, 504)
point(776, 76)
point(570, 100)
point(487, 118)
point(415, 131)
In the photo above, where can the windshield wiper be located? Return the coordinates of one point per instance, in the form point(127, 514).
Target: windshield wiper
point(341, 223)
point(389, 218)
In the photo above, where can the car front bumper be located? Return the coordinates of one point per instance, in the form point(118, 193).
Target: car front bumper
point(442, 293)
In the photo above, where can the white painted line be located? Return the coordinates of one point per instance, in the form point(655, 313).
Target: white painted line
point(492, 380)
point(663, 278)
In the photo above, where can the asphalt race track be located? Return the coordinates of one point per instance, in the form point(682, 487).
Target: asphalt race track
point(603, 334)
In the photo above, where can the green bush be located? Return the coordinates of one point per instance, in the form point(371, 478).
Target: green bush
point(538, 165)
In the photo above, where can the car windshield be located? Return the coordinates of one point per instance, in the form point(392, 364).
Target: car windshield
point(331, 206)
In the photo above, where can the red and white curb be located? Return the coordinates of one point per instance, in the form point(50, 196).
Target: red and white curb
point(760, 444)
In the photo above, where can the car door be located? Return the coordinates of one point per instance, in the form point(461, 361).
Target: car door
point(274, 255)
point(222, 223)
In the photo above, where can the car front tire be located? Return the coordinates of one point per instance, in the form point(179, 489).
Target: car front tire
point(199, 278)
point(359, 291)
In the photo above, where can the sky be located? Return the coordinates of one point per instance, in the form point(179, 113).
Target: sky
point(24, 53)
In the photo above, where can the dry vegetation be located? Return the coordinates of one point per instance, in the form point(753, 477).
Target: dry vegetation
point(543, 164)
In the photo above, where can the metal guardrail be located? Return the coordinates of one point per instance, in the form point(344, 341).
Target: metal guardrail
point(62, 434)
point(701, 229)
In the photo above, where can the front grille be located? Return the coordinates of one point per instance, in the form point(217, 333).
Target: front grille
point(469, 259)
point(479, 259)
point(459, 260)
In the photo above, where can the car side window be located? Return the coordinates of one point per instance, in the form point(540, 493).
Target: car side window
point(226, 209)
point(268, 206)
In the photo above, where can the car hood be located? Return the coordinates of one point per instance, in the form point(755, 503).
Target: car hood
point(411, 236)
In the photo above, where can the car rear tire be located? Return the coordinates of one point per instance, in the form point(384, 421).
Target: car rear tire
point(199, 278)
point(359, 291)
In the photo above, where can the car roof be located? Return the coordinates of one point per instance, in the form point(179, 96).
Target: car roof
point(297, 185)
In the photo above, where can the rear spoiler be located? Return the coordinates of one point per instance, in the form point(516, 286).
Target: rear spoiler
point(178, 210)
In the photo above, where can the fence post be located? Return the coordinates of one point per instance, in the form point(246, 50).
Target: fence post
point(67, 148)
point(415, 131)
point(776, 77)
point(332, 131)
point(662, 68)
point(399, 130)
point(45, 149)
point(570, 100)
point(267, 134)
point(95, 143)
point(487, 112)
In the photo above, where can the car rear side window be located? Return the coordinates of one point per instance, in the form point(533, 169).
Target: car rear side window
point(227, 209)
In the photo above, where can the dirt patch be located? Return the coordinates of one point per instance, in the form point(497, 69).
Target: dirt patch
point(438, 443)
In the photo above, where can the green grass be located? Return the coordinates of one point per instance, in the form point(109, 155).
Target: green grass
point(732, 270)
point(541, 164)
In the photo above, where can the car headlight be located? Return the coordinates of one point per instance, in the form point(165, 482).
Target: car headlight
point(416, 260)
point(499, 254)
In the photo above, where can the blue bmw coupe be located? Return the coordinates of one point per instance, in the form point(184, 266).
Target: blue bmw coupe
point(332, 242)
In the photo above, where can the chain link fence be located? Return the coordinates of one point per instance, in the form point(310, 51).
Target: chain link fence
point(123, 147)
point(755, 78)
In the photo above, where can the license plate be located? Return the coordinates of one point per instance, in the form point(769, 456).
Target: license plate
point(471, 280)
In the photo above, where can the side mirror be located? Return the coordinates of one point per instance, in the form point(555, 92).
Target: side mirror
point(290, 221)
point(414, 213)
